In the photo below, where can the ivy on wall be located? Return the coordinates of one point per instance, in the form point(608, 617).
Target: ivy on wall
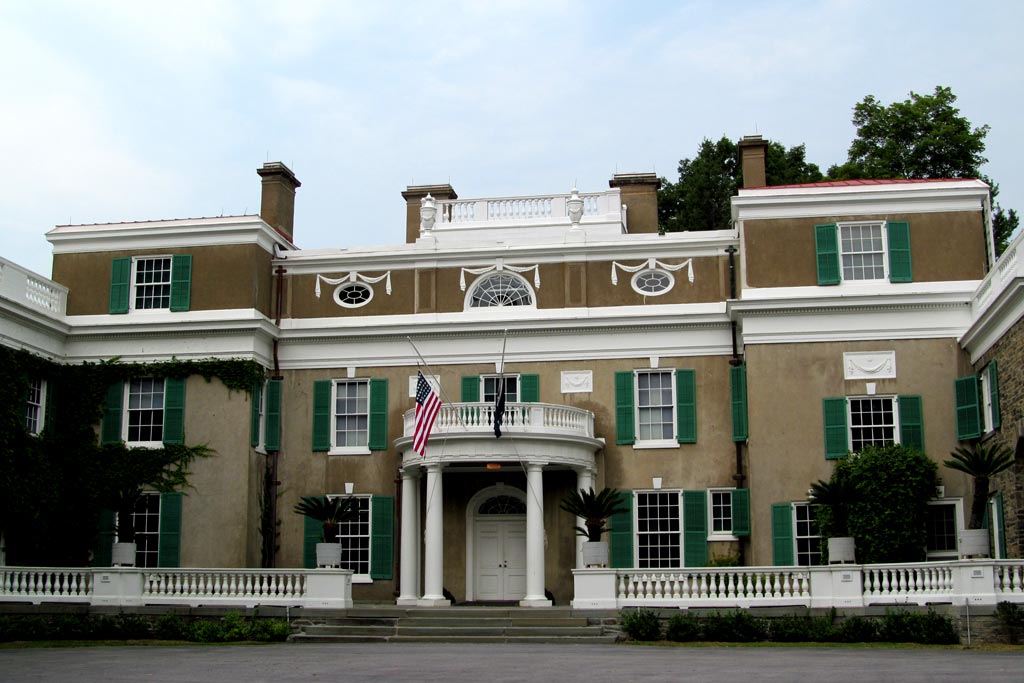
point(53, 486)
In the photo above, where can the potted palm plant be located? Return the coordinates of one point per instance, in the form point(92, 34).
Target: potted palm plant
point(330, 512)
point(594, 509)
point(982, 461)
point(835, 497)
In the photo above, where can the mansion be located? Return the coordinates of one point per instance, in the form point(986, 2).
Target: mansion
point(711, 376)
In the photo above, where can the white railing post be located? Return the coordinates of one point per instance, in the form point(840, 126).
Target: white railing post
point(974, 582)
point(328, 588)
point(837, 586)
point(595, 589)
point(117, 586)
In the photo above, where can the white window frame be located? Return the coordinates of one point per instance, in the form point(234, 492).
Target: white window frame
point(39, 421)
point(998, 551)
point(493, 397)
point(677, 494)
point(884, 230)
point(984, 385)
point(720, 535)
point(348, 450)
point(261, 424)
point(958, 518)
point(362, 578)
point(654, 443)
point(797, 537)
point(480, 281)
point(133, 289)
point(895, 417)
point(141, 550)
point(351, 285)
point(640, 274)
point(126, 410)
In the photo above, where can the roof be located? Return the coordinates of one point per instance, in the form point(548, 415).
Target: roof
point(861, 182)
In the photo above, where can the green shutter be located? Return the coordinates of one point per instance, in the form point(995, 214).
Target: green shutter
point(50, 409)
point(738, 385)
point(272, 430)
point(993, 392)
point(911, 422)
point(312, 533)
point(625, 430)
point(686, 406)
point(620, 534)
point(899, 251)
point(837, 442)
point(101, 554)
point(826, 244)
point(529, 388)
point(110, 431)
point(378, 415)
point(968, 416)
point(471, 389)
point(382, 537)
point(120, 281)
point(322, 390)
point(254, 415)
point(695, 528)
point(181, 282)
point(741, 512)
point(1000, 525)
point(174, 410)
point(169, 554)
point(782, 534)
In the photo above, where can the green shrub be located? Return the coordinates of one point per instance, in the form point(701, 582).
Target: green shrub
point(1010, 617)
point(683, 628)
point(794, 629)
point(734, 627)
point(901, 626)
point(270, 630)
point(640, 624)
point(170, 627)
point(857, 630)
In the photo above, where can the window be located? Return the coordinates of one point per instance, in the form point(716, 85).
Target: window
point(865, 251)
point(265, 424)
point(367, 543)
point(658, 530)
point(943, 526)
point(156, 523)
point(652, 282)
point(978, 400)
point(858, 421)
point(151, 283)
point(354, 537)
point(720, 502)
point(349, 416)
point(806, 538)
point(146, 524)
point(145, 411)
point(655, 408)
point(353, 294)
point(490, 385)
point(499, 290)
point(34, 406)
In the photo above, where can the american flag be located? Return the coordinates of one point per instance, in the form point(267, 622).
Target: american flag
point(427, 405)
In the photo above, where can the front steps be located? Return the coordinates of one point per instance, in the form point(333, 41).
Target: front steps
point(457, 625)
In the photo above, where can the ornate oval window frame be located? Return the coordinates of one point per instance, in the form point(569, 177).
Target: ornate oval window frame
point(352, 285)
point(664, 274)
point(483, 281)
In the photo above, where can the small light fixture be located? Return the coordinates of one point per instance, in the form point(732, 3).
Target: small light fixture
point(656, 482)
point(350, 486)
point(494, 465)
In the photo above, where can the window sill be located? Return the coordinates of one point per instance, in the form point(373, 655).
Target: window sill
point(144, 444)
point(349, 451)
point(666, 443)
point(722, 537)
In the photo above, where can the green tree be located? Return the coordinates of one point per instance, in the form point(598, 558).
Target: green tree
point(700, 199)
point(924, 136)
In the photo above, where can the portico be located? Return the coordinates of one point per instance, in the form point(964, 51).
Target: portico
point(504, 540)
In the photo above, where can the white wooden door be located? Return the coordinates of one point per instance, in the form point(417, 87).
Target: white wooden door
point(500, 550)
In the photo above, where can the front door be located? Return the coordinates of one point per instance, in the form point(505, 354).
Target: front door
point(500, 549)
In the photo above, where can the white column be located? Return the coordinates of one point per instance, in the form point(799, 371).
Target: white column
point(584, 480)
point(535, 537)
point(409, 580)
point(433, 565)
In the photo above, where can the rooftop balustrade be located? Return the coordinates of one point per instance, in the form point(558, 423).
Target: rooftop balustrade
point(518, 418)
point(31, 290)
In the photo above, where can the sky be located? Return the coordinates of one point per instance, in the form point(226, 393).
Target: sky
point(126, 110)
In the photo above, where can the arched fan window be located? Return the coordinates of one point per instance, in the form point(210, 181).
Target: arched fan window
point(500, 289)
point(502, 505)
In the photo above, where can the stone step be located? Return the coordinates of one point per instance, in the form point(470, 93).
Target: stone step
point(500, 621)
point(348, 629)
point(404, 630)
point(575, 640)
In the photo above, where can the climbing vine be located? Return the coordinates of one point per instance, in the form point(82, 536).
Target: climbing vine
point(54, 485)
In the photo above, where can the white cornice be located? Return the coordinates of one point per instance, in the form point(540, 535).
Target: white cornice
point(171, 234)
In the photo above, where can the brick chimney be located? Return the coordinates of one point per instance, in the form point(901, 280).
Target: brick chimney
point(639, 192)
point(277, 206)
point(753, 150)
point(412, 195)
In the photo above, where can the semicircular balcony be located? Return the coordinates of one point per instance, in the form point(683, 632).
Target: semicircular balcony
point(464, 433)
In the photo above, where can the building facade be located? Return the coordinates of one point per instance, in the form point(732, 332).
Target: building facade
point(710, 376)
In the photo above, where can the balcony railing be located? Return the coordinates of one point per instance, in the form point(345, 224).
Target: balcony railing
point(531, 418)
point(1009, 266)
point(31, 290)
point(541, 210)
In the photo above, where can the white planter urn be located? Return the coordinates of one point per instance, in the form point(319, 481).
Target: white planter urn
point(122, 555)
point(841, 550)
point(595, 553)
point(974, 543)
point(328, 554)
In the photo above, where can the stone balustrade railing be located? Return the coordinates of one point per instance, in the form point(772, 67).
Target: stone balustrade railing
point(974, 582)
point(32, 290)
point(534, 418)
point(499, 211)
point(1009, 266)
point(129, 586)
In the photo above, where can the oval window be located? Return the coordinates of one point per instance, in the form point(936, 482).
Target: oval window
point(353, 294)
point(653, 282)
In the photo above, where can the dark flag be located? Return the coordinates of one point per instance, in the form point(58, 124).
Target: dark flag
point(499, 408)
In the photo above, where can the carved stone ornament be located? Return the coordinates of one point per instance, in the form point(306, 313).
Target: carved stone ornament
point(353, 277)
point(574, 206)
point(428, 213)
point(869, 365)
point(577, 381)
